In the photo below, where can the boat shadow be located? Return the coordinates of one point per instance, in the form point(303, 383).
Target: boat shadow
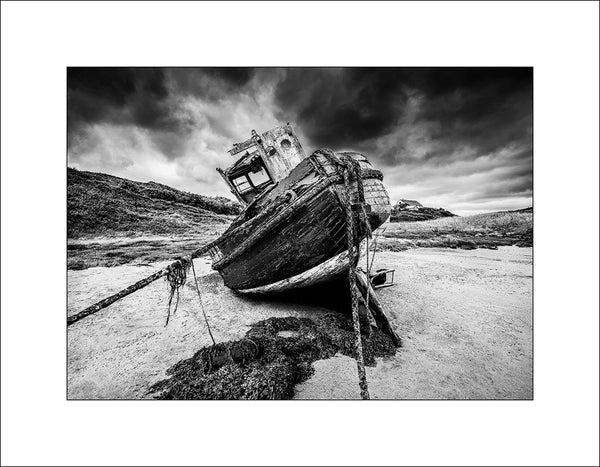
point(333, 295)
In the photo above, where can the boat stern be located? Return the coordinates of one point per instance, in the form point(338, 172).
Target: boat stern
point(377, 200)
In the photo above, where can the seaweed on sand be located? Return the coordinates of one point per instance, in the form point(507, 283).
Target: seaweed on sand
point(275, 355)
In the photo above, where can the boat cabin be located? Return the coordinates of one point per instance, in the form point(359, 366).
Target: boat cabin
point(262, 161)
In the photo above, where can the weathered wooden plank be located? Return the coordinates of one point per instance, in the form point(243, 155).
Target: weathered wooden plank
point(235, 244)
point(325, 271)
point(383, 322)
point(291, 247)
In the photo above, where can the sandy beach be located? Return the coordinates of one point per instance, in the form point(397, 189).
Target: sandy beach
point(465, 318)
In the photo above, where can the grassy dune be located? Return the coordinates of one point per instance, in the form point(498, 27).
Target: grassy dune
point(103, 205)
point(113, 221)
point(480, 231)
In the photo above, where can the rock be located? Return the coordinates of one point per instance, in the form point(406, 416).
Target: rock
point(410, 211)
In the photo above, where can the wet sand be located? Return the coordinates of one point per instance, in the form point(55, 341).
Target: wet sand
point(465, 318)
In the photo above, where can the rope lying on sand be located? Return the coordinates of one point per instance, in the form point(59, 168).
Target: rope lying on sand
point(173, 270)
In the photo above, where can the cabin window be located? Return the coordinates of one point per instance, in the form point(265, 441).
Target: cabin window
point(242, 184)
point(259, 177)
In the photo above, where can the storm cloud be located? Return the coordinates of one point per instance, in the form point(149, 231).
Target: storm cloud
point(458, 138)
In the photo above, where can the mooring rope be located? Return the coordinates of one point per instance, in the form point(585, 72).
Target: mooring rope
point(176, 277)
point(362, 215)
point(349, 164)
point(201, 305)
point(96, 307)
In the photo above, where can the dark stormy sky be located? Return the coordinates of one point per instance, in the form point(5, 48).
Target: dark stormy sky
point(454, 138)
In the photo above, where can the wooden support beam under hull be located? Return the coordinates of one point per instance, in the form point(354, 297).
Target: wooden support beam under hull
point(381, 318)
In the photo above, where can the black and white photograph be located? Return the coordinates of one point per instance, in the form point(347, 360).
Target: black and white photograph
point(300, 233)
point(245, 233)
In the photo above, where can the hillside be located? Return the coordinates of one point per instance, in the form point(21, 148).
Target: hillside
point(489, 230)
point(407, 210)
point(104, 205)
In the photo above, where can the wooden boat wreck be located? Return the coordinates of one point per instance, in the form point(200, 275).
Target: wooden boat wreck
point(293, 231)
point(302, 216)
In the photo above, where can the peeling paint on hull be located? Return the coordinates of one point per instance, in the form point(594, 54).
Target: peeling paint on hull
point(326, 271)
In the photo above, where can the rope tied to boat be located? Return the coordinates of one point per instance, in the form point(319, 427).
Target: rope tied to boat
point(176, 277)
point(350, 165)
point(201, 305)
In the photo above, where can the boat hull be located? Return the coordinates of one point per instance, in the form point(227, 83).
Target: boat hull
point(295, 236)
point(332, 269)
